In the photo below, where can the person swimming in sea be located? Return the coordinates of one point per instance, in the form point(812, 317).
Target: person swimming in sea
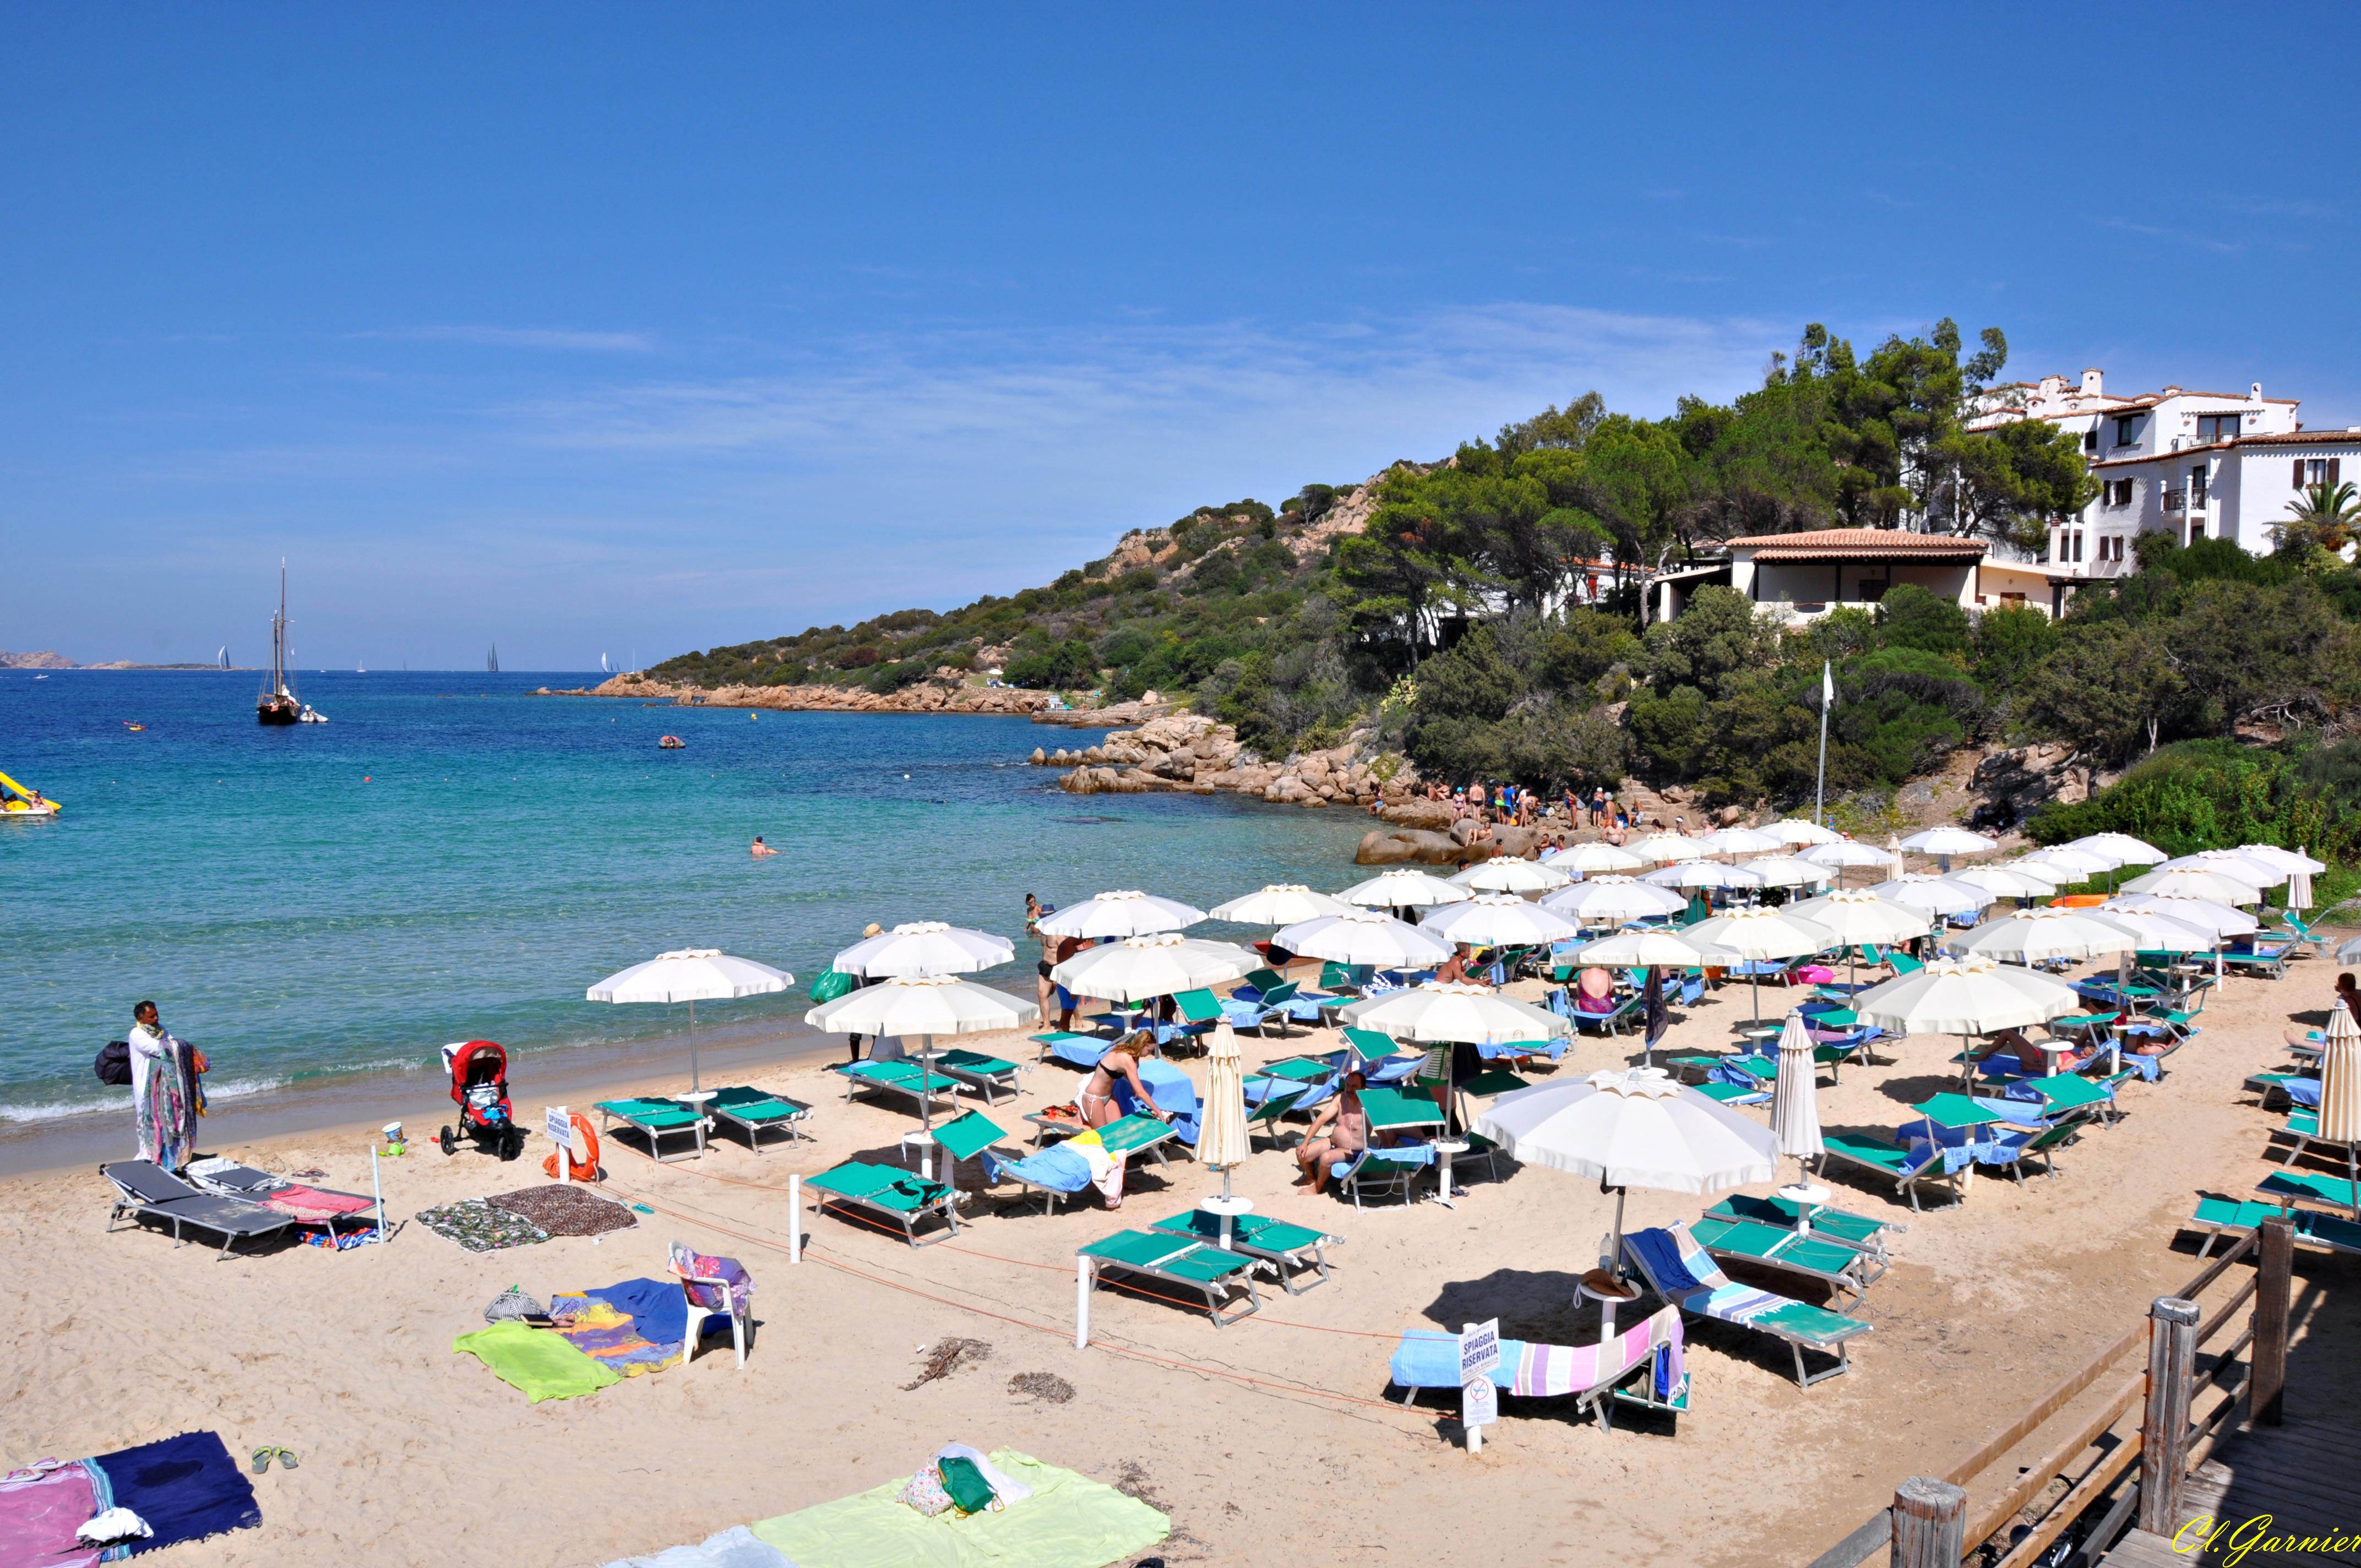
point(760, 848)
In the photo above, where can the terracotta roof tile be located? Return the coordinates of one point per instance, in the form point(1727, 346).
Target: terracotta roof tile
point(1830, 544)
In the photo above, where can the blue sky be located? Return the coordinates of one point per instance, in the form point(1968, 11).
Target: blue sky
point(601, 328)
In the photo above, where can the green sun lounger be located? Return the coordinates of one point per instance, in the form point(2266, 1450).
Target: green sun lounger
point(1734, 1094)
point(2293, 1187)
point(1840, 1268)
point(1395, 1111)
point(2300, 1127)
point(1801, 1325)
point(2226, 1216)
point(2069, 1094)
point(657, 1119)
point(2042, 1144)
point(987, 1073)
point(754, 1111)
point(1301, 1070)
point(1182, 1263)
point(899, 1078)
point(1285, 1246)
point(1886, 1159)
point(1265, 1117)
point(898, 1195)
point(1859, 1232)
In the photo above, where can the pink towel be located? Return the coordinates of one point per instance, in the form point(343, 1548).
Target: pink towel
point(39, 1517)
point(310, 1203)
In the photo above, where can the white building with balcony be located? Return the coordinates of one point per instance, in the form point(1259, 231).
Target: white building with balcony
point(1801, 577)
point(2194, 464)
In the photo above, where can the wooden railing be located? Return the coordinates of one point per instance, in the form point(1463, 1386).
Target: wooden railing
point(1928, 1524)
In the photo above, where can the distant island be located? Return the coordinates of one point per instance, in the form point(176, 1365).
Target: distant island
point(47, 659)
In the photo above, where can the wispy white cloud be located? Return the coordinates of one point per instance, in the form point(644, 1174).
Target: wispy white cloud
point(2179, 237)
point(568, 340)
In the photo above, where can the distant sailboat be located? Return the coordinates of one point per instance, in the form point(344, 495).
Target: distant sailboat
point(222, 658)
point(605, 668)
point(492, 661)
point(360, 669)
point(279, 704)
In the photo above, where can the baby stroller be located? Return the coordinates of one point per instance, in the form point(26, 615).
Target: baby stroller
point(479, 1087)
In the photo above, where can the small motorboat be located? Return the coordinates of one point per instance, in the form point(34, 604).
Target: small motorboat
point(134, 728)
point(19, 804)
point(672, 742)
point(310, 715)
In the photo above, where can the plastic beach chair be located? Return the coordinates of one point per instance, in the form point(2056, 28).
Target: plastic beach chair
point(714, 1288)
point(146, 1190)
point(1179, 1261)
point(656, 1119)
point(1680, 1271)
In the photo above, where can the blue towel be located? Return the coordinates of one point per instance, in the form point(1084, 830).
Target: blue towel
point(1173, 1092)
point(659, 1311)
point(186, 1487)
point(1426, 1359)
point(1660, 1257)
point(2303, 1092)
point(1057, 1167)
point(1080, 1051)
point(1551, 1049)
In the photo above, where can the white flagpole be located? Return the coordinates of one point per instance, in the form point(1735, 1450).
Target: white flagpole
point(1820, 789)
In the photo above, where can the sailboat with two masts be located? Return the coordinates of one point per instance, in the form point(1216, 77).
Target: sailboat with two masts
point(279, 704)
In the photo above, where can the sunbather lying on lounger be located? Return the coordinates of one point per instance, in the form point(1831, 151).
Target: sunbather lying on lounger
point(1594, 991)
point(1339, 1130)
point(2013, 1044)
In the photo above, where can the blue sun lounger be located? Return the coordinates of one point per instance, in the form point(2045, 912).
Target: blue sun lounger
point(1679, 1270)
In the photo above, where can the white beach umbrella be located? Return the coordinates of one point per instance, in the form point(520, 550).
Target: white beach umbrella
point(1965, 996)
point(925, 947)
point(1280, 904)
point(1640, 949)
point(1222, 1127)
point(1405, 887)
point(1741, 842)
point(1756, 934)
point(2340, 1092)
point(2040, 936)
point(2294, 860)
point(2079, 864)
point(1843, 852)
point(691, 975)
point(1127, 913)
point(1364, 936)
point(2207, 914)
point(1593, 857)
point(1454, 1013)
point(1663, 848)
point(1631, 1128)
point(1700, 874)
point(1498, 920)
point(1795, 1094)
point(2155, 929)
point(2049, 872)
point(922, 1006)
point(1611, 900)
point(1795, 830)
point(1790, 870)
point(1139, 968)
point(2125, 849)
point(1946, 841)
point(2188, 882)
point(1935, 895)
point(2236, 864)
point(2005, 881)
point(1857, 918)
point(1510, 873)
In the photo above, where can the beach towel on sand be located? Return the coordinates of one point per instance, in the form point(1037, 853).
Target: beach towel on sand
point(38, 1516)
point(185, 1487)
point(733, 1548)
point(634, 1327)
point(1068, 1522)
point(537, 1362)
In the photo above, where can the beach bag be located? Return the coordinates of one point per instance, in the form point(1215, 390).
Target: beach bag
point(114, 1063)
point(513, 1304)
point(831, 985)
point(970, 1492)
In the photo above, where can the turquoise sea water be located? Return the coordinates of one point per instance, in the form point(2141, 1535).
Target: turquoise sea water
point(451, 857)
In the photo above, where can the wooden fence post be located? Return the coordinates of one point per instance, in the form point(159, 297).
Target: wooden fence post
point(1930, 1524)
point(2164, 1428)
point(2273, 1290)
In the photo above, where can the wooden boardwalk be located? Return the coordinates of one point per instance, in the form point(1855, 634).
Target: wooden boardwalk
point(2306, 1475)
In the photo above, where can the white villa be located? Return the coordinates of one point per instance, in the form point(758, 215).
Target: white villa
point(2196, 465)
point(1804, 575)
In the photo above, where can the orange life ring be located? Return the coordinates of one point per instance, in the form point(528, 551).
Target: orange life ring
point(576, 1169)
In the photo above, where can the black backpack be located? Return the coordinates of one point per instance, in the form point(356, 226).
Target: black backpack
point(114, 1063)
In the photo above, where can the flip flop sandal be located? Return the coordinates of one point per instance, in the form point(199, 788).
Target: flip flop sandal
point(261, 1463)
point(287, 1460)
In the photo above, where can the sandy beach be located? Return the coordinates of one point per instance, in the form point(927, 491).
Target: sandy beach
point(1248, 1437)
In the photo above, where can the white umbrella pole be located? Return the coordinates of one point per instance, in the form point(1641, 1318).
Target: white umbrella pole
point(692, 1084)
point(1615, 1257)
point(925, 1077)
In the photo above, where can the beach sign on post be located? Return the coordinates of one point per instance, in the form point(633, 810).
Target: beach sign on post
point(559, 1124)
point(1479, 1401)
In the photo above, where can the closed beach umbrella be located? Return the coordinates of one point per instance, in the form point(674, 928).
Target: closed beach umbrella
point(1965, 996)
point(1405, 887)
point(1795, 830)
point(2122, 848)
point(1789, 871)
point(925, 947)
point(2299, 890)
point(1364, 936)
point(1611, 900)
point(1935, 895)
point(1662, 848)
point(1120, 913)
point(1593, 857)
point(1280, 904)
point(1757, 934)
point(1140, 968)
point(2042, 936)
point(2340, 1092)
point(2184, 882)
point(691, 975)
point(1701, 874)
point(1795, 1094)
point(1455, 1013)
point(2005, 881)
point(1222, 1132)
point(1498, 920)
point(1507, 873)
point(922, 1006)
point(1629, 1128)
point(1857, 917)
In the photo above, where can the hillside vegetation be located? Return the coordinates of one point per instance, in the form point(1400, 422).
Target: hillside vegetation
point(1482, 613)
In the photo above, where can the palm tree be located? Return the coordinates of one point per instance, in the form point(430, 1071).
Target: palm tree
point(2325, 517)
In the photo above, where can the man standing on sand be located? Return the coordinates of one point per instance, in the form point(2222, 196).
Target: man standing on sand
point(163, 1090)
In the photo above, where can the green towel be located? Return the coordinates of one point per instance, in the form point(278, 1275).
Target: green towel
point(1068, 1522)
point(539, 1362)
